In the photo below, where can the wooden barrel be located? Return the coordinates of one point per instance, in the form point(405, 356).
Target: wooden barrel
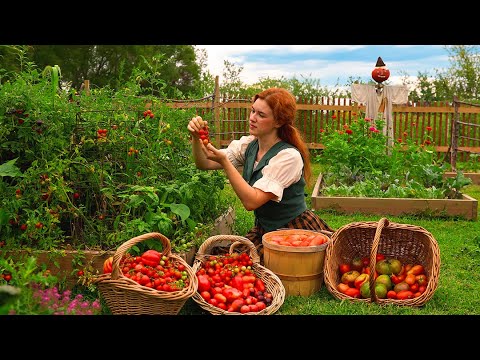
point(300, 268)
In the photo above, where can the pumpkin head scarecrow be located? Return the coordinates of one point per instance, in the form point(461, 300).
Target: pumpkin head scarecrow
point(381, 72)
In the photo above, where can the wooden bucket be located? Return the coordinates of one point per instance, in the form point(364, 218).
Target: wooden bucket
point(300, 268)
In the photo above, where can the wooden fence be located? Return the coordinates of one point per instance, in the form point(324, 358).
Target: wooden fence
point(228, 119)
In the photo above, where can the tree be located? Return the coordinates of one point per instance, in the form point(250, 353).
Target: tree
point(112, 65)
point(462, 79)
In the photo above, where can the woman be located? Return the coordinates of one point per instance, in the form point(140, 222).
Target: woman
point(275, 161)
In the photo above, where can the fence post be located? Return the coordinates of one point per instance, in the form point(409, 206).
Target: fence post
point(216, 113)
point(454, 136)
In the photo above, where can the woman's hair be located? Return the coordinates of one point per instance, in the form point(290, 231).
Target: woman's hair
point(284, 108)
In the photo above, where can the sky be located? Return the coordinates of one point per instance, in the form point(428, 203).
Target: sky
point(331, 65)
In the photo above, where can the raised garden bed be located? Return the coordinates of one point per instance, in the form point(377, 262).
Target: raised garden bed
point(466, 207)
point(475, 176)
point(62, 263)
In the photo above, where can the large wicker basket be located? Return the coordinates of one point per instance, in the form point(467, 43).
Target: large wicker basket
point(236, 243)
point(408, 243)
point(127, 297)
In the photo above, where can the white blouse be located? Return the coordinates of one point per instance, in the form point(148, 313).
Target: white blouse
point(283, 170)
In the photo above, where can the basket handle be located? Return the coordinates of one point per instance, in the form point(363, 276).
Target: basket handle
point(128, 244)
point(236, 240)
point(382, 223)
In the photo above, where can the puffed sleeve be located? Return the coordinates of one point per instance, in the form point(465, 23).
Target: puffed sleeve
point(236, 150)
point(283, 170)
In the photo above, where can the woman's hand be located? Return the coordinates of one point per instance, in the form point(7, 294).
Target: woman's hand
point(195, 125)
point(213, 154)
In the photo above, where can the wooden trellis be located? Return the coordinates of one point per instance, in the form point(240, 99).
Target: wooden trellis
point(462, 129)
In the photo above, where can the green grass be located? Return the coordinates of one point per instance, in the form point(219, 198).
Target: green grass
point(458, 287)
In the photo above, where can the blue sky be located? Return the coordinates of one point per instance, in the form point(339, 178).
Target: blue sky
point(329, 64)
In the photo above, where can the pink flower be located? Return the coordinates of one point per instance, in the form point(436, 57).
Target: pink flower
point(372, 128)
point(429, 128)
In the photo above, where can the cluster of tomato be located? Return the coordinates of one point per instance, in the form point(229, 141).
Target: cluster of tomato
point(229, 283)
point(393, 280)
point(148, 113)
point(102, 134)
point(297, 239)
point(204, 134)
point(152, 270)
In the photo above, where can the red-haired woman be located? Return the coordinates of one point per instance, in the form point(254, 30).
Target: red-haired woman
point(275, 161)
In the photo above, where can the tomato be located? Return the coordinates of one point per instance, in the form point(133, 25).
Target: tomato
point(404, 294)
point(151, 257)
point(80, 273)
point(357, 264)
point(366, 261)
point(220, 298)
point(342, 287)
point(344, 268)
point(414, 287)
point(353, 292)
point(349, 277)
point(422, 279)
point(7, 277)
point(360, 280)
point(107, 265)
point(391, 294)
point(410, 279)
point(396, 279)
point(416, 270)
point(259, 284)
point(261, 305)
point(380, 257)
point(245, 309)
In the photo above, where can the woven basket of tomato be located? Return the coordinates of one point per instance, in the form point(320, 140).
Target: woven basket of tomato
point(155, 283)
point(382, 262)
point(232, 281)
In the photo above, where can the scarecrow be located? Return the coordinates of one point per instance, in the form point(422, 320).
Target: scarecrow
point(379, 98)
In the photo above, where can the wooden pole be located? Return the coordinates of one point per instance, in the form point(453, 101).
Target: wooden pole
point(87, 87)
point(216, 113)
point(454, 136)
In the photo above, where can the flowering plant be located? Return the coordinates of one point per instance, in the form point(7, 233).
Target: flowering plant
point(28, 289)
point(357, 160)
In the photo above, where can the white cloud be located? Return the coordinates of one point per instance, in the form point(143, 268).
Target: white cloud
point(314, 61)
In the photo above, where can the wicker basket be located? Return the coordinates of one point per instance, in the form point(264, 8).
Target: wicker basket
point(127, 297)
point(240, 244)
point(408, 243)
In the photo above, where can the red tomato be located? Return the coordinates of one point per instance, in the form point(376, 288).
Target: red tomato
point(391, 294)
point(366, 261)
point(344, 268)
point(396, 279)
point(404, 294)
point(422, 279)
point(353, 292)
point(380, 257)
